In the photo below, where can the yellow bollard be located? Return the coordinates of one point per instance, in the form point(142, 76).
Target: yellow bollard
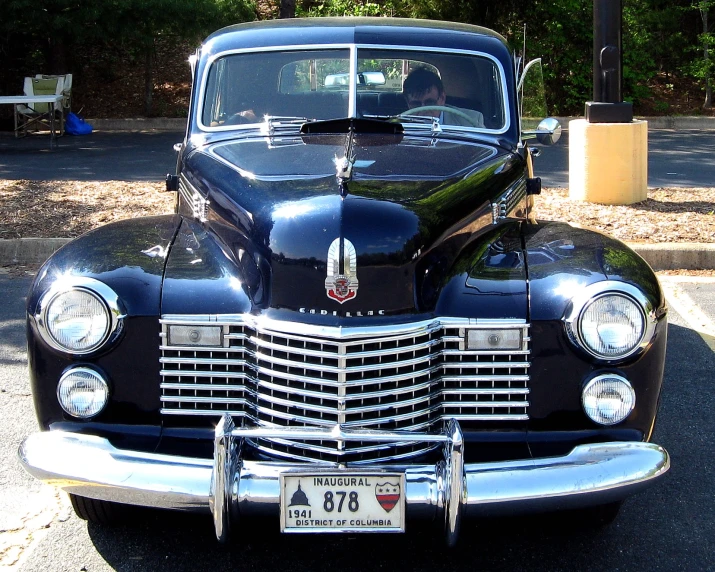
point(608, 162)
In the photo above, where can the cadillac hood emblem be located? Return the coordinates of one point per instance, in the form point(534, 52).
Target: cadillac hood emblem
point(341, 284)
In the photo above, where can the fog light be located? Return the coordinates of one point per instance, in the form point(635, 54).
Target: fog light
point(82, 392)
point(608, 399)
point(195, 336)
point(493, 339)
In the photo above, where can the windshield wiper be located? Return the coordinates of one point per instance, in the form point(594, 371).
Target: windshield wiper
point(417, 119)
point(272, 123)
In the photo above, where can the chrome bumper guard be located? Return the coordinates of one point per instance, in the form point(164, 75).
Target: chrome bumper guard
point(233, 488)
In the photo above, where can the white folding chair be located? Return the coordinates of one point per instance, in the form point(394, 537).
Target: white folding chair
point(35, 115)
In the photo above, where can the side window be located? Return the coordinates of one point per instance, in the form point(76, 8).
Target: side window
point(214, 105)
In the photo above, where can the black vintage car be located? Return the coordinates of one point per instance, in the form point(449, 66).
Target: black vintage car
point(354, 318)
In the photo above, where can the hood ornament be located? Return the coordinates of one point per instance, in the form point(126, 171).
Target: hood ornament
point(344, 168)
point(341, 283)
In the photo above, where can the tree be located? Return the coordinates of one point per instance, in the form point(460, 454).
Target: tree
point(706, 39)
point(287, 9)
point(45, 35)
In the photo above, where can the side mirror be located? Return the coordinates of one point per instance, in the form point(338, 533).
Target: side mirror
point(549, 131)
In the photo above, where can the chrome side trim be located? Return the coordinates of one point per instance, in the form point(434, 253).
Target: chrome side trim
point(508, 201)
point(198, 203)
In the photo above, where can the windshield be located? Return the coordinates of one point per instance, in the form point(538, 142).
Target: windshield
point(415, 87)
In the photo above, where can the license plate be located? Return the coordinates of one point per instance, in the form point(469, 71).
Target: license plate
point(342, 502)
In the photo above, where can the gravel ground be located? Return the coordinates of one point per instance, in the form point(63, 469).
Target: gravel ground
point(70, 208)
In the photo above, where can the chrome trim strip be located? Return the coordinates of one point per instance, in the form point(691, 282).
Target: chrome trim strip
point(508, 201)
point(267, 326)
point(356, 355)
point(352, 397)
point(203, 374)
point(339, 369)
point(347, 383)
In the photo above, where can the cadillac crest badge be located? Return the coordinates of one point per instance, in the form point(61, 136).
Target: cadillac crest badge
point(341, 283)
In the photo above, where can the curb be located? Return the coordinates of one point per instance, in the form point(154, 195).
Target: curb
point(23, 251)
point(682, 256)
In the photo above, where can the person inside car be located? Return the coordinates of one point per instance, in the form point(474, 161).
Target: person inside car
point(424, 88)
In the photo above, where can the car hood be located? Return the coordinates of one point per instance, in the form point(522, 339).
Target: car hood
point(351, 224)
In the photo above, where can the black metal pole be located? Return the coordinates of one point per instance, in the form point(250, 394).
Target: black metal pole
point(608, 105)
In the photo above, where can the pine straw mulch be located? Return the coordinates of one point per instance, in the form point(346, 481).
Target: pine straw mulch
point(44, 209)
point(668, 215)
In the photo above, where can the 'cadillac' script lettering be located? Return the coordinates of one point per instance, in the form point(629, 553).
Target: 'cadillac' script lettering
point(342, 314)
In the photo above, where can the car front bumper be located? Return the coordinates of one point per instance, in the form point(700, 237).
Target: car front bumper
point(233, 488)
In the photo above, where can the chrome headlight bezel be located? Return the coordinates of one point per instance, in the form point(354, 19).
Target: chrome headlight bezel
point(102, 293)
point(593, 292)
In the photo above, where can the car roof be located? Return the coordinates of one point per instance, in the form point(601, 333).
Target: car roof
point(372, 31)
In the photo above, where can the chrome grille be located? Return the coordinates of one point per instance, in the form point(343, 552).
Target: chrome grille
point(407, 377)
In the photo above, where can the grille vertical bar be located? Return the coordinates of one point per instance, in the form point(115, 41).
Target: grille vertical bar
point(407, 377)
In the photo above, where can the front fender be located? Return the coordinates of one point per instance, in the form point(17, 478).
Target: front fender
point(129, 257)
point(561, 260)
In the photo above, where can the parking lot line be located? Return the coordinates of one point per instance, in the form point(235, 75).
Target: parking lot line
point(679, 300)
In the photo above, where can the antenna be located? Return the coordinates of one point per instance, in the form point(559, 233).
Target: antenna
point(523, 72)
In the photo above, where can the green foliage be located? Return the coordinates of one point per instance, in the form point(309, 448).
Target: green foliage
point(660, 37)
point(348, 8)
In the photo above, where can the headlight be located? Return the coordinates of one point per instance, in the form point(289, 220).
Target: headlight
point(612, 325)
point(608, 399)
point(610, 320)
point(82, 392)
point(78, 317)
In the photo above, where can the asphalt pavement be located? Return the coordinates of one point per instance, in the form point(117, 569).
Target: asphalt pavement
point(675, 159)
point(101, 156)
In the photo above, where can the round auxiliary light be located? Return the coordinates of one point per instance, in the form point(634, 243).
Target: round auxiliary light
point(612, 325)
point(79, 317)
point(82, 392)
point(608, 399)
